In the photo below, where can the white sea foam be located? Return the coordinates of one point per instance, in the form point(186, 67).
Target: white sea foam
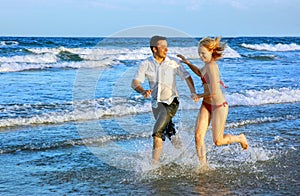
point(259, 121)
point(231, 53)
point(272, 47)
point(260, 97)
point(83, 111)
point(88, 57)
point(117, 107)
point(192, 52)
point(15, 67)
point(41, 58)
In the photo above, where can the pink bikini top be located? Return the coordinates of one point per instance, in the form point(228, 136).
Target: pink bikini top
point(205, 80)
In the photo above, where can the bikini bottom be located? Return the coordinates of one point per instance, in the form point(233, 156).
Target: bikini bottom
point(211, 107)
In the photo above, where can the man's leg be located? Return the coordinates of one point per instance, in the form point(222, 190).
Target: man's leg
point(169, 130)
point(162, 118)
point(157, 149)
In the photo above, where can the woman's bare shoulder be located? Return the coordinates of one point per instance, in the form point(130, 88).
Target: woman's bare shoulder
point(213, 66)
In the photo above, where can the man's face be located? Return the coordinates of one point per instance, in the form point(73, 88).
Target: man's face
point(161, 49)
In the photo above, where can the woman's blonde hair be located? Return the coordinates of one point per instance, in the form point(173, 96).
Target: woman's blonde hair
point(215, 45)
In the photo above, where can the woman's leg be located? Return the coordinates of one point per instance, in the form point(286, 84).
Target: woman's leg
point(202, 124)
point(219, 117)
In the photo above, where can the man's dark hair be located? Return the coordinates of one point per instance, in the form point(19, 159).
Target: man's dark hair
point(154, 40)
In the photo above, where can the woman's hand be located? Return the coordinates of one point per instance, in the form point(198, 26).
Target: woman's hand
point(183, 59)
point(195, 97)
point(191, 66)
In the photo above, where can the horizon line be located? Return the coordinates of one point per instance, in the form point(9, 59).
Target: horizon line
point(108, 36)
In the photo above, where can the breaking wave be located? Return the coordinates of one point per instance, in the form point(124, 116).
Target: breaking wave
point(273, 48)
point(41, 58)
point(59, 113)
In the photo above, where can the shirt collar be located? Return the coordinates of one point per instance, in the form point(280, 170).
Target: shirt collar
point(167, 59)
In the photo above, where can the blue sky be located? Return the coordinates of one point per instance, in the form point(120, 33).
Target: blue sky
point(227, 18)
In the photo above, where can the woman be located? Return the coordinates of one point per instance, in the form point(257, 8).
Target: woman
point(214, 107)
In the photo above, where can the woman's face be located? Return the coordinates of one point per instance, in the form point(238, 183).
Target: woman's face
point(205, 54)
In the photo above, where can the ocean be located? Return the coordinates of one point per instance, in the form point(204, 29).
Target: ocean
point(70, 124)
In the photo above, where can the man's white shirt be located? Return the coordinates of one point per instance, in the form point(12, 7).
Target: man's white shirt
point(161, 78)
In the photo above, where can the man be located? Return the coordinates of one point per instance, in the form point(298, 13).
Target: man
point(160, 71)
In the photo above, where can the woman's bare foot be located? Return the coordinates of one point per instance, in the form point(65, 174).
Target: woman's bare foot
point(204, 169)
point(243, 142)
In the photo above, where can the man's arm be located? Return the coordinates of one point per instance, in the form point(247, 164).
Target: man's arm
point(191, 86)
point(136, 85)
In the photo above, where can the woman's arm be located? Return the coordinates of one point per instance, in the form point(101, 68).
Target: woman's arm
point(191, 66)
point(204, 95)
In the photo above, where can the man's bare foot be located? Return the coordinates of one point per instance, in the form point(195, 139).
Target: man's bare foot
point(244, 142)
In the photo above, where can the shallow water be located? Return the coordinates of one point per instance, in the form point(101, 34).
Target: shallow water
point(71, 125)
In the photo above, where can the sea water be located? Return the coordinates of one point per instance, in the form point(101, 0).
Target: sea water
point(71, 124)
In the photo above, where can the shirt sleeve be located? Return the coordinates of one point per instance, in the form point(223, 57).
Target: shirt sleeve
point(182, 72)
point(140, 73)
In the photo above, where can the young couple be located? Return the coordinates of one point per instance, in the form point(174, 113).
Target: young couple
point(161, 70)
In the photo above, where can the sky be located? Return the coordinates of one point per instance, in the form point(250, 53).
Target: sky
point(99, 18)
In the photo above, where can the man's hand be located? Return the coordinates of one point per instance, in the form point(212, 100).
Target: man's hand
point(195, 97)
point(135, 84)
point(146, 93)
